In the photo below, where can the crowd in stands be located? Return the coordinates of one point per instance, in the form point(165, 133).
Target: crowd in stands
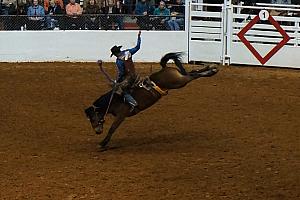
point(253, 2)
point(91, 14)
point(105, 14)
point(273, 12)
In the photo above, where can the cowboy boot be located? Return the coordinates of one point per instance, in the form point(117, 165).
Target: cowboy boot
point(131, 101)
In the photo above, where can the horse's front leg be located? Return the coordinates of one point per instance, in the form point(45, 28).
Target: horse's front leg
point(113, 128)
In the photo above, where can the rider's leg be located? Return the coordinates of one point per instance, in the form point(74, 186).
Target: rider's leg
point(130, 100)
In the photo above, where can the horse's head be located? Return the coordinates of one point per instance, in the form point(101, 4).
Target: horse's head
point(96, 121)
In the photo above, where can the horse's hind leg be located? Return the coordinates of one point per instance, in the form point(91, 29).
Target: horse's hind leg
point(205, 72)
point(181, 81)
point(111, 131)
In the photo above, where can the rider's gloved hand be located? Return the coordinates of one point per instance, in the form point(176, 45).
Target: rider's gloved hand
point(122, 84)
point(113, 84)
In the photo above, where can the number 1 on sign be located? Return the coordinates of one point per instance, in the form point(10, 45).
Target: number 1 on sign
point(264, 15)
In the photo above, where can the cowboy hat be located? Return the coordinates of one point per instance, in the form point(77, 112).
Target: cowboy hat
point(115, 50)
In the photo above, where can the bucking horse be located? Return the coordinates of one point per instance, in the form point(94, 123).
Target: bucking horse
point(146, 91)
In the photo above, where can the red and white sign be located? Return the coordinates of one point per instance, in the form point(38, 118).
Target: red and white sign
point(263, 15)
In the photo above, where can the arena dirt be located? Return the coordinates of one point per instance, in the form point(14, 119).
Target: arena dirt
point(232, 136)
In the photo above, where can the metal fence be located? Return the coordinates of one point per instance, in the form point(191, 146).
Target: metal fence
point(265, 34)
point(92, 22)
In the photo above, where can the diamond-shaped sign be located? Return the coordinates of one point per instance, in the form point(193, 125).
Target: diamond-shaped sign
point(265, 59)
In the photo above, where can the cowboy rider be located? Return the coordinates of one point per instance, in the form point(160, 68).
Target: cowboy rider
point(126, 71)
point(126, 77)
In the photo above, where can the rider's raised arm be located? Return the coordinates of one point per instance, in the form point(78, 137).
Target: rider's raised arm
point(137, 47)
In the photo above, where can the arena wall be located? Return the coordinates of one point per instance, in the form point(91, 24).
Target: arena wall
point(86, 46)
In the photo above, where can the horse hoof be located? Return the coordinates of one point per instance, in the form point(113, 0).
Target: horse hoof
point(212, 70)
point(104, 142)
point(215, 69)
point(103, 148)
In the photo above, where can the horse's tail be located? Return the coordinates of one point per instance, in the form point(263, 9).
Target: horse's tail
point(176, 57)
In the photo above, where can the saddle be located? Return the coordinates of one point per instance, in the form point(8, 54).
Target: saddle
point(148, 85)
point(133, 80)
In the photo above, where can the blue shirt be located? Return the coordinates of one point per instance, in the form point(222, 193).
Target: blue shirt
point(120, 60)
point(36, 11)
point(141, 7)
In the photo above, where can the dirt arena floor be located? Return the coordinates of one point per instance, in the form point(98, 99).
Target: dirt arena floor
point(232, 136)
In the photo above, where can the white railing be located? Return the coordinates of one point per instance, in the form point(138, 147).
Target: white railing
point(206, 32)
point(265, 32)
point(263, 36)
point(277, 5)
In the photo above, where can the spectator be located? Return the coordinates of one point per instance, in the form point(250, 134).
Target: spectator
point(23, 7)
point(36, 11)
point(280, 13)
point(160, 22)
point(10, 21)
point(113, 9)
point(144, 9)
point(73, 9)
point(92, 7)
point(87, 2)
point(249, 10)
point(128, 6)
point(10, 7)
point(36, 16)
point(47, 4)
point(161, 9)
point(108, 6)
point(168, 3)
point(20, 19)
point(119, 18)
point(73, 19)
point(92, 20)
point(176, 10)
point(53, 9)
point(66, 2)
